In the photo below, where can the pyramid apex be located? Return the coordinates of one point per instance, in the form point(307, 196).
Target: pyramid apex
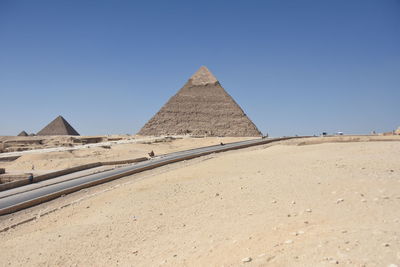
point(203, 76)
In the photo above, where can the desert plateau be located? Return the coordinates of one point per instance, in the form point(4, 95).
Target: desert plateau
point(322, 201)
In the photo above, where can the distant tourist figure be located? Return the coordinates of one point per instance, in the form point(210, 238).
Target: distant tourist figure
point(222, 144)
point(33, 167)
point(30, 178)
point(151, 154)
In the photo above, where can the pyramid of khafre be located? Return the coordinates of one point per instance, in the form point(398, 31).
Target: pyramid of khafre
point(201, 107)
point(59, 126)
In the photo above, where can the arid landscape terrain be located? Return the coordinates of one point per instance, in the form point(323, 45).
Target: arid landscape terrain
point(70, 156)
point(200, 133)
point(305, 202)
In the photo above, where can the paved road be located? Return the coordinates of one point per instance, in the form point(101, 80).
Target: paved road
point(42, 191)
point(55, 180)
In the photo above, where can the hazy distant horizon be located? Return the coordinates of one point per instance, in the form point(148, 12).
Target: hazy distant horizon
point(107, 67)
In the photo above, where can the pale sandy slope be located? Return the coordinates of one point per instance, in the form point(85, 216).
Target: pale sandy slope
point(38, 163)
point(286, 205)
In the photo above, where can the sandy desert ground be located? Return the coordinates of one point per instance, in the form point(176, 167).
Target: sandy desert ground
point(39, 163)
point(293, 204)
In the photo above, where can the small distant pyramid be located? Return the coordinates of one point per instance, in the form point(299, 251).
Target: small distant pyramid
point(59, 126)
point(23, 133)
point(201, 107)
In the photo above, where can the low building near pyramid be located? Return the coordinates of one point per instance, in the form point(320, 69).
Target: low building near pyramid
point(201, 107)
point(59, 126)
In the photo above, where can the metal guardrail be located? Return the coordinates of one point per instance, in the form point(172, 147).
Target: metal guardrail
point(8, 206)
point(47, 176)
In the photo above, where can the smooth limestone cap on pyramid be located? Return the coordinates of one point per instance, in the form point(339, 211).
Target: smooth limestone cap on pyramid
point(203, 76)
point(59, 126)
point(201, 107)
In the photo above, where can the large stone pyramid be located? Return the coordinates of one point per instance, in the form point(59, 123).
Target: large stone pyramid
point(201, 107)
point(59, 126)
point(23, 133)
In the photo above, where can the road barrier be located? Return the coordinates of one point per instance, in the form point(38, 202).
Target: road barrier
point(160, 163)
point(51, 175)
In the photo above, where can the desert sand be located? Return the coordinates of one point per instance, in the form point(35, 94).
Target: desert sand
point(298, 203)
point(39, 163)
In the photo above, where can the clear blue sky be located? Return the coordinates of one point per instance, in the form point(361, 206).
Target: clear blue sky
point(295, 67)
